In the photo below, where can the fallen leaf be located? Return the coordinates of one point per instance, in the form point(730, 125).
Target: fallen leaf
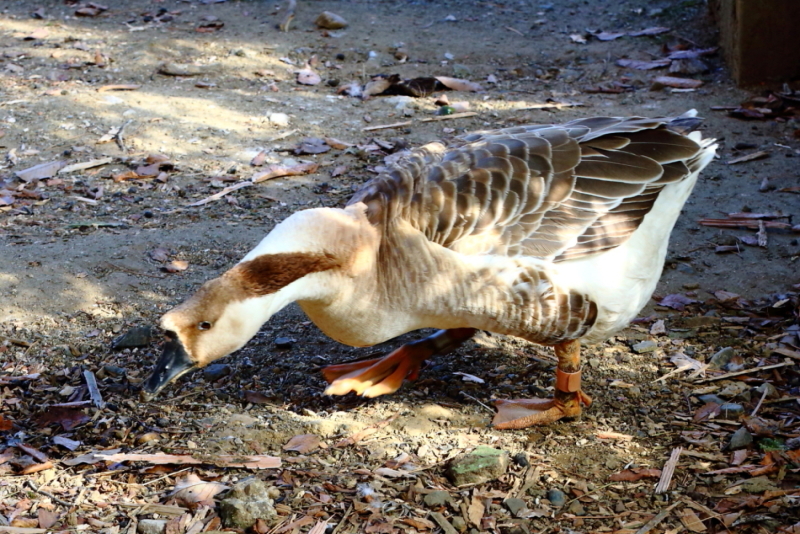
point(159, 254)
point(255, 397)
point(608, 36)
point(707, 411)
point(46, 518)
point(655, 30)
point(191, 490)
point(303, 443)
point(307, 76)
point(676, 301)
point(41, 171)
point(470, 378)
point(476, 510)
point(278, 171)
point(68, 418)
point(632, 475)
point(577, 38)
point(457, 84)
point(176, 266)
point(691, 521)
point(671, 81)
point(643, 65)
point(5, 424)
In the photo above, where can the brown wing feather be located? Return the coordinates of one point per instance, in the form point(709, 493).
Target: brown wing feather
point(550, 191)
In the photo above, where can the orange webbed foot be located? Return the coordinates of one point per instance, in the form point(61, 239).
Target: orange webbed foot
point(524, 413)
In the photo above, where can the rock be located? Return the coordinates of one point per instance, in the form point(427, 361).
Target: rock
point(711, 398)
point(215, 371)
point(687, 269)
point(113, 370)
point(734, 389)
point(645, 346)
point(731, 410)
point(521, 459)
point(576, 508)
point(279, 119)
point(151, 526)
point(284, 342)
point(135, 337)
point(247, 501)
point(479, 466)
point(242, 419)
point(515, 506)
point(721, 358)
point(443, 523)
point(556, 498)
point(771, 391)
point(741, 439)
point(438, 498)
point(330, 21)
point(758, 485)
point(188, 69)
point(459, 524)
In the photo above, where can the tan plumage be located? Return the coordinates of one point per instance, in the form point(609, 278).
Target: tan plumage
point(553, 233)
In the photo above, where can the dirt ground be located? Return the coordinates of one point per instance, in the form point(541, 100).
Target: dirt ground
point(82, 258)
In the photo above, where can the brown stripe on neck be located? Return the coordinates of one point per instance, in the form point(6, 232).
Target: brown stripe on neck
point(271, 272)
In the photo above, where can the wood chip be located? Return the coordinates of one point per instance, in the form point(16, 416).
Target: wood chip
point(85, 165)
point(669, 470)
point(222, 460)
point(41, 171)
point(217, 196)
point(748, 157)
point(691, 521)
point(94, 392)
point(386, 126)
point(463, 115)
point(278, 171)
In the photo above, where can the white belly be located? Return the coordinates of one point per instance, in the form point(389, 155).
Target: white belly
point(623, 279)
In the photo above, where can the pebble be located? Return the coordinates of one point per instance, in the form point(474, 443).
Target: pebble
point(645, 346)
point(731, 410)
point(113, 370)
point(459, 524)
point(215, 371)
point(283, 342)
point(247, 502)
point(279, 119)
point(556, 497)
point(438, 498)
point(771, 391)
point(721, 358)
point(687, 269)
point(576, 508)
point(479, 466)
point(151, 526)
point(330, 21)
point(515, 506)
point(135, 337)
point(740, 439)
point(521, 459)
point(711, 398)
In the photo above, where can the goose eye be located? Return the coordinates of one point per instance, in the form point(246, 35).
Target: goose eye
point(203, 325)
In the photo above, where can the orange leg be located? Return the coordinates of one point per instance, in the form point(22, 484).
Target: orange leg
point(522, 413)
point(371, 378)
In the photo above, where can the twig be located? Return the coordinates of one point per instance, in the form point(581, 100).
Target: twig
point(660, 516)
point(760, 401)
point(745, 372)
point(118, 136)
point(386, 126)
point(344, 518)
point(16, 341)
point(284, 26)
point(449, 117)
point(35, 488)
point(282, 136)
point(669, 470)
point(552, 105)
point(217, 196)
point(476, 400)
point(166, 476)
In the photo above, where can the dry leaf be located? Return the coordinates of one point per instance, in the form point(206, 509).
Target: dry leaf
point(676, 301)
point(303, 443)
point(691, 521)
point(577, 38)
point(608, 36)
point(159, 254)
point(191, 490)
point(41, 171)
point(255, 397)
point(278, 171)
point(707, 411)
point(457, 84)
point(176, 266)
point(649, 31)
point(307, 76)
point(46, 518)
point(476, 510)
point(643, 65)
point(68, 418)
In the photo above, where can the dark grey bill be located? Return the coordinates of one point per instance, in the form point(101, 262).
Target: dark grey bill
point(174, 362)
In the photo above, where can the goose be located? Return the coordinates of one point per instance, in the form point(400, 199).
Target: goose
point(556, 234)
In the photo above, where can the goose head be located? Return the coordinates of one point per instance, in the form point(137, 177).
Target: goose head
point(308, 257)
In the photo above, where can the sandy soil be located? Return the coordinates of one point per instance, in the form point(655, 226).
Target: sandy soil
point(77, 273)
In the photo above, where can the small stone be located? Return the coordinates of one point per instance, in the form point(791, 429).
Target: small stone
point(113, 370)
point(443, 523)
point(242, 419)
point(135, 337)
point(151, 526)
point(731, 410)
point(283, 342)
point(556, 498)
point(279, 119)
point(771, 391)
point(479, 466)
point(515, 506)
point(645, 346)
point(330, 21)
point(576, 508)
point(686, 269)
point(521, 459)
point(215, 371)
point(691, 285)
point(247, 502)
point(721, 358)
point(734, 389)
point(438, 498)
point(459, 524)
point(741, 439)
point(711, 398)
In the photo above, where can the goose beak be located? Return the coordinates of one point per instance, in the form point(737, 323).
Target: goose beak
point(174, 362)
